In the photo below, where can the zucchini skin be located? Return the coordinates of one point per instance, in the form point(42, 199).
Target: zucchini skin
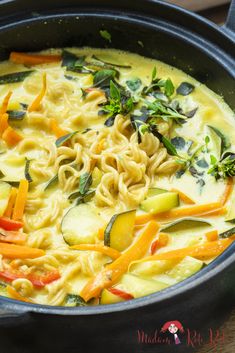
point(15, 77)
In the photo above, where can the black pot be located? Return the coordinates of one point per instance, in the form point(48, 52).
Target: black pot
point(206, 52)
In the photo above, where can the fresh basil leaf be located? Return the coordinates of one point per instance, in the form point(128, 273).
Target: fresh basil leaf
point(194, 172)
point(65, 138)
point(134, 84)
point(24, 106)
point(85, 198)
point(74, 63)
point(166, 143)
point(225, 144)
point(185, 88)
point(26, 170)
point(169, 88)
point(106, 35)
point(15, 77)
point(16, 114)
point(154, 74)
point(103, 77)
point(85, 182)
point(114, 92)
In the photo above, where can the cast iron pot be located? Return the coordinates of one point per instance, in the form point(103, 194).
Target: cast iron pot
point(198, 47)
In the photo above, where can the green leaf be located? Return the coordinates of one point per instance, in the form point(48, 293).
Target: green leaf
point(207, 139)
point(154, 73)
point(61, 140)
point(134, 84)
point(85, 182)
point(225, 144)
point(15, 77)
point(114, 92)
point(166, 143)
point(185, 88)
point(106, 35)
point(169, 88)
point(74, 63)
point(213, 159)
point(103, 77)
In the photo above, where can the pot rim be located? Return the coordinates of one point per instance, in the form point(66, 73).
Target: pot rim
point(216, 267)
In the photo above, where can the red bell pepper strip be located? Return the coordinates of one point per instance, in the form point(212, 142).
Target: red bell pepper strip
point(121, 293)
point(9, 224)
point(36, 279)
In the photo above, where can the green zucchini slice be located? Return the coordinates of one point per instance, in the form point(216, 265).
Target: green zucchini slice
point(119, 231)
point(139, 287)
point(109, 298)
point(155, 191)
point(160, 203)
point(80, 225)
point(186, 223)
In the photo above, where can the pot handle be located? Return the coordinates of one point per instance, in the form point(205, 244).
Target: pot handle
point(230, 23)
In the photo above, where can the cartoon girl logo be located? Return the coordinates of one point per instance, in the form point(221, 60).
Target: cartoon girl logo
point(173, 327)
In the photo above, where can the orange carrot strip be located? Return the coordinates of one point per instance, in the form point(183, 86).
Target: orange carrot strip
point(11, 137)
point(101, 233)
point(208, 250)
point(58, 131)
point(162, 241)
point(3, 123)
point(143, 218)
point(12, 237)
point(20, 200)
point(15, 295)
point(227, 192)
point(111, 273)
point(37, 101)
point(106, 250)
point(33, 59)
point(12, 251)
point(219, 212)
point(183, 197)
point(11, 202)
point(212, 235)
point(5, 103)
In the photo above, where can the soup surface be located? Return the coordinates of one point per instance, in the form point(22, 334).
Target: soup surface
point(116, 176)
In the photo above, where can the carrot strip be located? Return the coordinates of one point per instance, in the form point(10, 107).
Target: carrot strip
point(143, 218)
point(111, 273)
point(227, 192)
point(11, 137)
point(15, 295)
point(101, 233)
point(12, 251)
point(212, 235)
point(20, 200)
point(37, 101)
point(33, 59)
point(3, 123)
point(106, 250)
point(162, 241)
point(12, 237)
point(58, 131)
point(5, 103)
point(208, 250)
point(183, 197)
point(219, 212)
point(11, 202)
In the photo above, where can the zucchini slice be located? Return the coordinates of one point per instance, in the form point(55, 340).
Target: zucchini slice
point(215, 144)
point(155, 191)
point(160, 203)
point(185, 268)
point(109, 298)
point(228, 233)
point(139, 287)
point(80, 225)
point(119, 231)
point(185, 224)
point(230, 216)
point(5, 190)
